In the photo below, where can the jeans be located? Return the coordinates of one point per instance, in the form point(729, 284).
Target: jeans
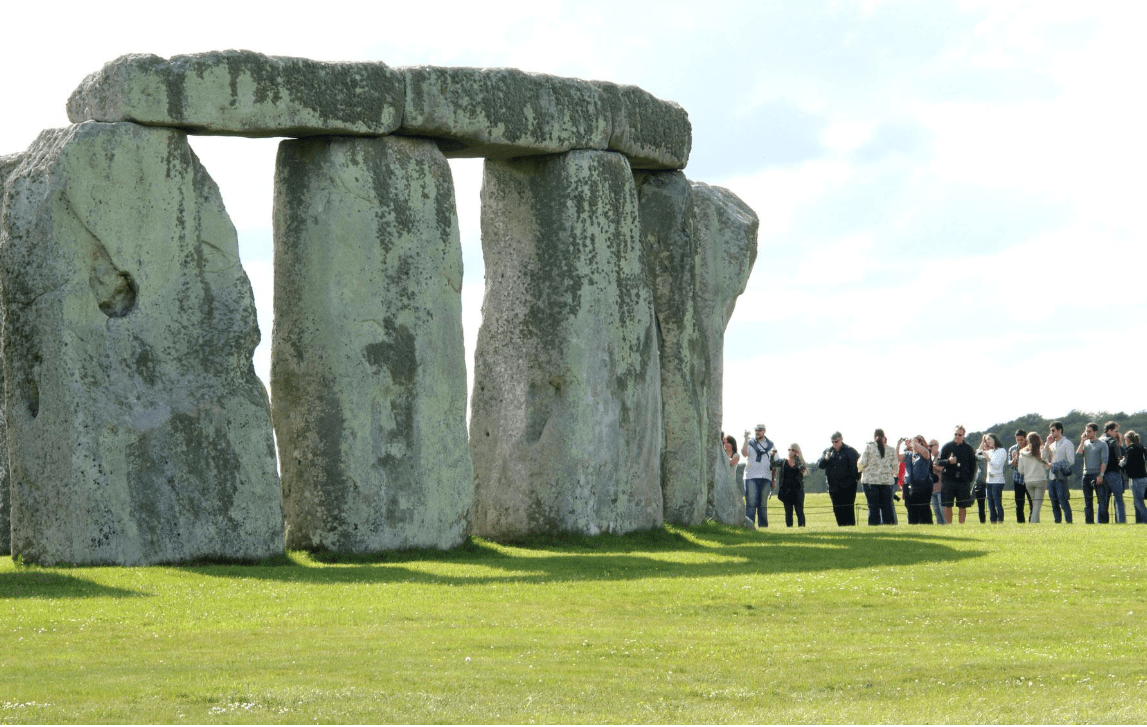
point(1021, 496)
point(1114, 482)
point(1059, 495)
point(797, 505)
point(757, 492)
point(1138, 491)
point(879, 499)
point(996, 501)
point(1089, 499)
point(938, 509)
point(1102, 501)
point(980, 492)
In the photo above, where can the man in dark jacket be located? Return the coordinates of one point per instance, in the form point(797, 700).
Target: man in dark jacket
point(959, 461)
point(839, 465)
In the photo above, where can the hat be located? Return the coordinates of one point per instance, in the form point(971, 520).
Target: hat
point(760, 426)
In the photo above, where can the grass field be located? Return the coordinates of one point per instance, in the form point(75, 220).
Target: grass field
point(974, 623)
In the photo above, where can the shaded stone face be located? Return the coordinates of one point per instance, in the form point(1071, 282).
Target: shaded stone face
point(8, 164)
point(725, 229)
point(565, 425)
point(368, 373)
point(138, 431)
point(671, 256)
point(242, 93)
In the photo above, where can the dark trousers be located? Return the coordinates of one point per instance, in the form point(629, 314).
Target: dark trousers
point(879, 499)
point(1021, 495)
point(919, 503)
point(843, 501)
point(798, 506)
point(1089, 499)
point(980, 492)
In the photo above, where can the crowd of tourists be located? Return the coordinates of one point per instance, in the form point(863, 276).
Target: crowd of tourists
point(938, 483)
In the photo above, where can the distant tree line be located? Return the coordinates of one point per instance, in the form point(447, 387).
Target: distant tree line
point(1073, 424)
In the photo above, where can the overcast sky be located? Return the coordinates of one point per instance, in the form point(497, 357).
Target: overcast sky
point(951, 194)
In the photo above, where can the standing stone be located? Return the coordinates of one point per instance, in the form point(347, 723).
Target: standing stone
point(368, 375)
point(725, 229)
point(565, 428)
point(137, 429)
point(243, 93)
point(8, 164)
point(671, 254)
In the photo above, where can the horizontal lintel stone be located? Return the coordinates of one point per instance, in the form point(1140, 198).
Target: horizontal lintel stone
point(243, 93)
point(503, 113)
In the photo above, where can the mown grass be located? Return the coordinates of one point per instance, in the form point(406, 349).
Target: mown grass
point(977, 623)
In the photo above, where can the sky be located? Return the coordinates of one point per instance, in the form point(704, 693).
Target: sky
point(950, 194)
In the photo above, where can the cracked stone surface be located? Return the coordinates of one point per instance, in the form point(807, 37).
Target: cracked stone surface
point(565, 426)
point(368, 373)
point(137, 430)
point(666, 207)
point(725, 229)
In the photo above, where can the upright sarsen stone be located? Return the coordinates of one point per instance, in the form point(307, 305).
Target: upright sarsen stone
point(565, 425)
point(138, 431)
point(8, 164)
point(368, 376)
point(671, 254)
point(725, 229)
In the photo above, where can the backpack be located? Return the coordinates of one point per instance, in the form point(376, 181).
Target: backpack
point(1114, 454)
point(919, 473)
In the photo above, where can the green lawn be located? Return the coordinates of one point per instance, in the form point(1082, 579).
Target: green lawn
point(1036, 623)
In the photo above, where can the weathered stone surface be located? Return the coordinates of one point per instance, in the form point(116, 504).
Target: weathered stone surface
point(727, 501)
point(137, 429)
point(8, 164)
point(565, 426)
point(368, 375)
point(242, 93)
point(725, 230)
point(499, 113)
point(653, 134)
point(666, 208)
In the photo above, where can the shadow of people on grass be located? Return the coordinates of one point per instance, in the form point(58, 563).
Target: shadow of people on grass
point(707, 551)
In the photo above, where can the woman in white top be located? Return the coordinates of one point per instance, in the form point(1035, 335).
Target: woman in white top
point(992, 450)
point(1034, 470)
point(877, 468)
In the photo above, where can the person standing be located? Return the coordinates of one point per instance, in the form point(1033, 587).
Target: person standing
point(917, 459)
point(934, 459)
point(1113, 478)
point(877, 469)
point(759, 452)
point(1017, 478)
point(1095, 455)
point(790, 491)
point(959, 462)
point(839, 465)
point(992, 451)
point(1135, 469)
point(1034, 469)
point(1059, 453)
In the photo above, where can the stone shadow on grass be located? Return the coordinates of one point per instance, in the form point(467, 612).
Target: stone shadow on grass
point(57, 585)
point(706, 551)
